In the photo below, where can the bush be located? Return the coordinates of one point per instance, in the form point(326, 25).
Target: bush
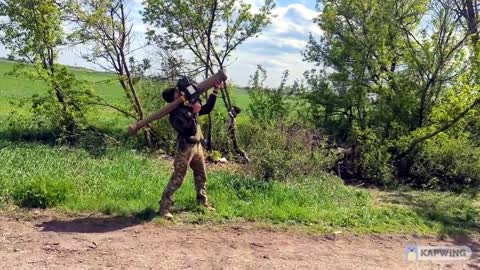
point(280, 153)
point(374, 162)
point(447, 163)
point(41, 193)
point(220, 141)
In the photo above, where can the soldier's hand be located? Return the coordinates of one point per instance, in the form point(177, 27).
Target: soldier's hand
point(196, 107)
point(218, 85)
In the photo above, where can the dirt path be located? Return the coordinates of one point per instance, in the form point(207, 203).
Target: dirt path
point(120, 243)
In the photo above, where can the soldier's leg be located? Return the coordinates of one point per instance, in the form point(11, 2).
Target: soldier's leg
point(200, 175)
point(180, 164)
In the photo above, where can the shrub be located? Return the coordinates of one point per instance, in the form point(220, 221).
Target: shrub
point(280, 153)
point(267, 105)
point(447, 163)
point(220, 141)
point(41, 193)
point(374, 162)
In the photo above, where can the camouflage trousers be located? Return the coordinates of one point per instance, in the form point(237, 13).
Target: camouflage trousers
point(190, 154)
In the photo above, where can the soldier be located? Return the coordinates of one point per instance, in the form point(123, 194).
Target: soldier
point(184, 120)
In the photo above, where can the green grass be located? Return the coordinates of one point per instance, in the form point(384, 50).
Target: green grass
point(18, 87)
point(240, 97)
point(126, 182)
point(121, 181)
point(14, 89)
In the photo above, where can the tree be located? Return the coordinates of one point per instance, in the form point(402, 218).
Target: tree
point(33, 34)
point(468, 11)
point(172, 65)
point(268, 106)
point(394, 68)
point(211, 30)
point(104, 26)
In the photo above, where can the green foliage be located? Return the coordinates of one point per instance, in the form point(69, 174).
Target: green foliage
point(197, 25)
point(215, 156)
point(375, 161)
point(41, 193)
point(33, 33)
point(105, 29)
point(221, 141)
point(281, 146)
point(399, 73)
point(268, 105)
point(64, 119)
point(17, 116)
point(150, 91)
point(285, 152)
point(48, 112)
point(446, 162)
point(33, 30)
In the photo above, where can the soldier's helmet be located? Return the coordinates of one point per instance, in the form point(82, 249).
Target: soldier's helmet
point(169, 94)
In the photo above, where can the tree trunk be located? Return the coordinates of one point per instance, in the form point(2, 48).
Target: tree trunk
point(472, 21)
point(150, 140)
point(68, 121)
point(209, 134)
point(208, 67)
point(232, 129)
point(443, 128)
point(232, 134)
point(147, 135)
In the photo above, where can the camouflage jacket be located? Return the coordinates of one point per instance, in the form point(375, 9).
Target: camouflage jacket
point(186, 123)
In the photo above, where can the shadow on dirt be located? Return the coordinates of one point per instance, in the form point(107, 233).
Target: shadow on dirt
point(463, 240)
point(462, 227)
point(100, 224)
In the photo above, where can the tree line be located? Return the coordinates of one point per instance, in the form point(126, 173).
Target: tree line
point(395, 88)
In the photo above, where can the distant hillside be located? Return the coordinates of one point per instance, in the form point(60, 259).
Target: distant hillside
point(84, 69)
point(13, 88)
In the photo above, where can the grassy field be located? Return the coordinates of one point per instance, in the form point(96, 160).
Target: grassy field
point(123, 181)
point(15, 88)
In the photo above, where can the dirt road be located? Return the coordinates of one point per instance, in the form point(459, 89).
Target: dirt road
point(123, 243)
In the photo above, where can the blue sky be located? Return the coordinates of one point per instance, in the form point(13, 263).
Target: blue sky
point(278, 48)
point(281, 44)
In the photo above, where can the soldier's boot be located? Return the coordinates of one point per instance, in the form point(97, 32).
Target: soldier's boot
point(204, 203)
point(165, 205)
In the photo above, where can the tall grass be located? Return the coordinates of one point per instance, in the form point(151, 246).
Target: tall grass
point(126, 182)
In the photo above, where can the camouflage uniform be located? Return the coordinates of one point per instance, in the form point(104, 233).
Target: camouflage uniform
point(189, 152)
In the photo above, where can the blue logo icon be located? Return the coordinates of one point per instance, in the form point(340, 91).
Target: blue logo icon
point(411, 252)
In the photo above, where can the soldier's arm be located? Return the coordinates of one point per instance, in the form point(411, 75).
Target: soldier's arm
point(208, 107)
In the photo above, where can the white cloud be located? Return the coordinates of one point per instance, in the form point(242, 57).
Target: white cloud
point(242, 69)
point(295, 17)
point(256, 4)
point(279, 47)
